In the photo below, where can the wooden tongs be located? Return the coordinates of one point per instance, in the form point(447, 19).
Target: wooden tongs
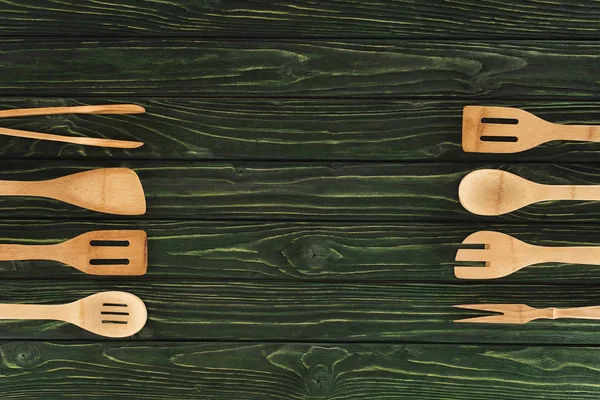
point(105, 109)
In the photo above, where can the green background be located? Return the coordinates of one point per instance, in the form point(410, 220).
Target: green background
point(301, 166)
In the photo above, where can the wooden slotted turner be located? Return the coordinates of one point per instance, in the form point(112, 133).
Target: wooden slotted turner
point(110, 314)
point(109, 252)
point(512, 130)
point(104, 109)
point(107, 190)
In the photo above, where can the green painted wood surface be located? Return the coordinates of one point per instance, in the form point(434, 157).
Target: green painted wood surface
point(301, 167)
point(301, 251)
point(248, 68)
point(346, 18)
point(305, 191)
point(298, 371)
point(300, 130)
point(357, 311)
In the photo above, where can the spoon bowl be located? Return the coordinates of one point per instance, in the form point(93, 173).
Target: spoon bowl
point(494, 192)
point(110, 314)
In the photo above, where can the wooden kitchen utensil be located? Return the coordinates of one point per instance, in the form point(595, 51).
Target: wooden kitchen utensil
point(107, 190)
point(110, 252)
point(105, 109)
point(512, 130)
point(522, 313)
point(110, 314)
point(495, 192)
point(503, 254)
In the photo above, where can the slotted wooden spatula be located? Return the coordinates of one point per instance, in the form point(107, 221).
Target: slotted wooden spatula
point(109, 252)
point(512, 130)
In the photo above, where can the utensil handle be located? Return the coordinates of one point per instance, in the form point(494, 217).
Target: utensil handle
point(572, 255)
point(570, 192)
point(32, 311)
point(19, 252)
point(102, 109)
point(592, 312)
point(122, 144)
point(580, 133)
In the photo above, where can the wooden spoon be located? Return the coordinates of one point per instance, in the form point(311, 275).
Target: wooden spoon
point(495, 192)
point(110, 314)
point(107, 190)
point(110, 252)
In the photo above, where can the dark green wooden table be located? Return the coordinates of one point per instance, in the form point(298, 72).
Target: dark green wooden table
point(301, 167)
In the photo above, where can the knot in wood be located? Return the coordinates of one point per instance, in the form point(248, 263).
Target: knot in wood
point(26, 355)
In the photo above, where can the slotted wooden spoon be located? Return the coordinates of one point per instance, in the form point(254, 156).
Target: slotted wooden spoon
point(110, 314)
point(495, 192)
point(107, 190)
point(512, 130)
point(110, 252)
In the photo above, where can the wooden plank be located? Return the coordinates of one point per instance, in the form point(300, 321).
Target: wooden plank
point(303, 18)
point(310, 251)
point(276, 371)
point(311, 129)
point(306, 191)
point(249, 68)
point(319, 311)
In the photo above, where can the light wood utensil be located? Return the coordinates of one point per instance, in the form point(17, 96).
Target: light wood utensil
point(512, 130)
point(503, 255)
point(495, 192)
point(522, 313)
point(107, 190)
point(110, 314)
point(105, 109)
point(110, 252)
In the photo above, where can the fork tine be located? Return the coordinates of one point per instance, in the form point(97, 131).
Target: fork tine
point(471, 255)
point(464, 272)
point(510, 313)
point(488, 319)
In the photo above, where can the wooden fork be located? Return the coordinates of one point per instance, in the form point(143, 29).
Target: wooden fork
point(104, 109)
point(503, 255)
point(522, 313)
point(110, 252)
point(512, 130)
point(110, 314)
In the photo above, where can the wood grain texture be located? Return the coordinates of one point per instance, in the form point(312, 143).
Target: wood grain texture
point(249, 68)
point(322, 311)
point(346, 18)
point(258, 129)
point(258, 371)
point(200, 251)
point(388, 192)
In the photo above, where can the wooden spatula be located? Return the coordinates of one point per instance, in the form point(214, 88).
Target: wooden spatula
point(496, 192)
point(110, 252)
point(512, 130)
point(110, 314)
point(107, 190)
